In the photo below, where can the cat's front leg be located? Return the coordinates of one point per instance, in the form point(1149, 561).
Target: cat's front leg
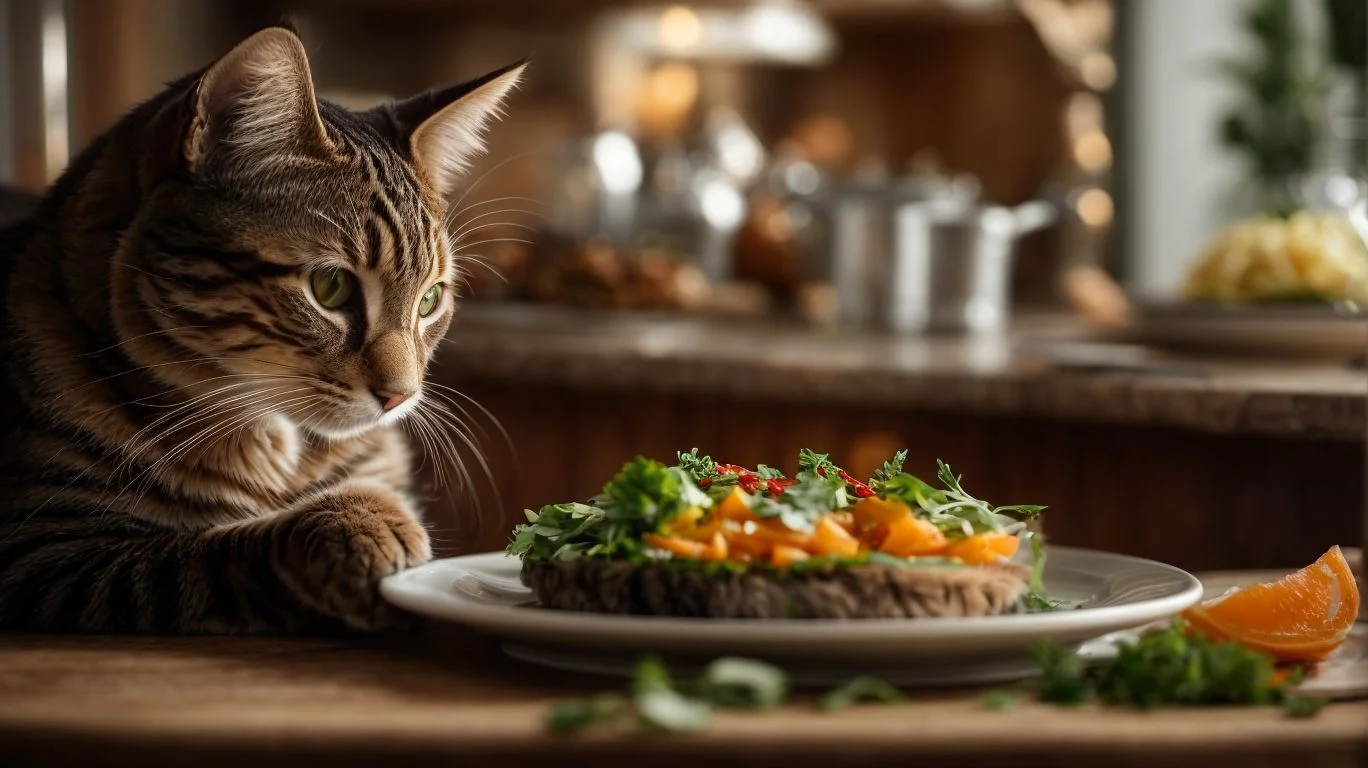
point(332, 551)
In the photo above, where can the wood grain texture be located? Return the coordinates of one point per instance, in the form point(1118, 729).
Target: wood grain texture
point(448, 695)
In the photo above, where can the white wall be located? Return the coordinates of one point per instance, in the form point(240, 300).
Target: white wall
point(1178, 176)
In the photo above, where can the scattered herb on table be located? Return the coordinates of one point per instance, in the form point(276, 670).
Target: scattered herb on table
point(1169, 667)
point(1000, 700)
point(571, 715)
point(662, 705)
point(858, 690)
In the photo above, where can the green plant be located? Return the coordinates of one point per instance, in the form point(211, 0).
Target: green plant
point(1347, 27)
point(1274, 124)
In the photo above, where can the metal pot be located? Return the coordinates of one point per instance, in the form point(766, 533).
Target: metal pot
point(952, 264)
point(858, 231)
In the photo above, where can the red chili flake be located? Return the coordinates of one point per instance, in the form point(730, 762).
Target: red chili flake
point(704, 482)
point(776, 486)
point(749, 482)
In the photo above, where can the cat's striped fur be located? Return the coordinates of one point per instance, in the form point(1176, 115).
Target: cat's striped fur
point(191, 441)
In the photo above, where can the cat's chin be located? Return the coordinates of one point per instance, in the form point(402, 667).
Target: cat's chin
point(337, 432)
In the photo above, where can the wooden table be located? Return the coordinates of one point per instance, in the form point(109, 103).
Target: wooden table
point(450, 696)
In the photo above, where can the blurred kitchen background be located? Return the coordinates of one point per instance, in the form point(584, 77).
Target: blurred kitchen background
point(1106, 255)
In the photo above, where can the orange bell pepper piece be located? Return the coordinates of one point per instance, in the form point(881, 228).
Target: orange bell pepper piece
point(876, 510)
point(983, 548)
point(831, 539)
point(716, 548)
point(736, 506)
point(913, 537)
point(784, 556)
point(676, 546)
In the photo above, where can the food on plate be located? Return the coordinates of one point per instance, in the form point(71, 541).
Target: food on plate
point(1304, 257)
point(1302, 617)
point(704, 539)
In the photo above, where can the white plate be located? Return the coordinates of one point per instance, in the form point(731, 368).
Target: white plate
point(1275, 330)
point(1113, 592)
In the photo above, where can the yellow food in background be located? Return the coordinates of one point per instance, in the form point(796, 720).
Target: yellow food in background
point(1269, 259)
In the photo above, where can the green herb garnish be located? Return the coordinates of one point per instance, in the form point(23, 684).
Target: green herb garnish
point(1167, 667)
point(857, 690)
point(572, 715)
point(1036, 600)
point(1000, 700)
point(736, 682)
point(698, 467)
point(889, 469)
point(660, 706)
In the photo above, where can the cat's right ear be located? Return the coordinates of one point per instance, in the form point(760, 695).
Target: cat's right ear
point(258, 98)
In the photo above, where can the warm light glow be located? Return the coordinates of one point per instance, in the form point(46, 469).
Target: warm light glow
point(667, 99)
point(674, 86)
point(826, 139)
point(1092, 151)
point(1095, 208)
point(615, 155)
point(719, 201)
point(1098, 71)
point(54, 74)
point(679, 29)
point(1083, 113)
point(739, 153)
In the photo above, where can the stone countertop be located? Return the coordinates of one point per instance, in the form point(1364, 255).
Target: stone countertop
point(1044, 368)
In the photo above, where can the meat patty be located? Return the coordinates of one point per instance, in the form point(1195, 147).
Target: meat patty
point(857, 592)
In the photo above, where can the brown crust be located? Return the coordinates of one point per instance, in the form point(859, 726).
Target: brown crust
point(860, 592)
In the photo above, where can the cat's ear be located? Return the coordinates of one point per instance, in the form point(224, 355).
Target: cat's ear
point(444, 130)
point(258, 97)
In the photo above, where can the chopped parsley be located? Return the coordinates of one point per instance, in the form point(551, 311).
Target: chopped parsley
point(1169, 667)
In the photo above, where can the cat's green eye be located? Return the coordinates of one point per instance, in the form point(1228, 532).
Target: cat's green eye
point(332, 286)
point(428, 303)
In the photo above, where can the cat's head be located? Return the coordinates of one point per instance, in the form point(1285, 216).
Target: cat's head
point(299, 249)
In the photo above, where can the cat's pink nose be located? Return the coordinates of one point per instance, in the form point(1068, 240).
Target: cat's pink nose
point(390, 400)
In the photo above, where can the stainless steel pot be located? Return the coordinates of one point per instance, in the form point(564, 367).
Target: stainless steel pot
point(952, 264)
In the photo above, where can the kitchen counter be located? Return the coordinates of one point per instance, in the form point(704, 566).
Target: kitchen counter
point(1045, 368)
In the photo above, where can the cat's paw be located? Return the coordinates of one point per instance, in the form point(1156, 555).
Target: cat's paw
point(340, 547)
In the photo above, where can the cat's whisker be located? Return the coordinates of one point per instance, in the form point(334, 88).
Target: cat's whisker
point(458, 429)
point(127, 458)
point(481, 178)
point(193, 361)
point(351, 236)
point(215, 409)
point(218, 404)
point(497, 224)
point(479, 262)
point(131, 339)
point(453, 392)
point(465, 247)
point(466, 227)
point(207, 436)
point(454, 213)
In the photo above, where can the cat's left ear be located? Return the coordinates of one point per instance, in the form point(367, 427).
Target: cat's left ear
point(444, 130)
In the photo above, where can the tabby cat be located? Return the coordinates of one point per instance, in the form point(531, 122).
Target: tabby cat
point(214, 320)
